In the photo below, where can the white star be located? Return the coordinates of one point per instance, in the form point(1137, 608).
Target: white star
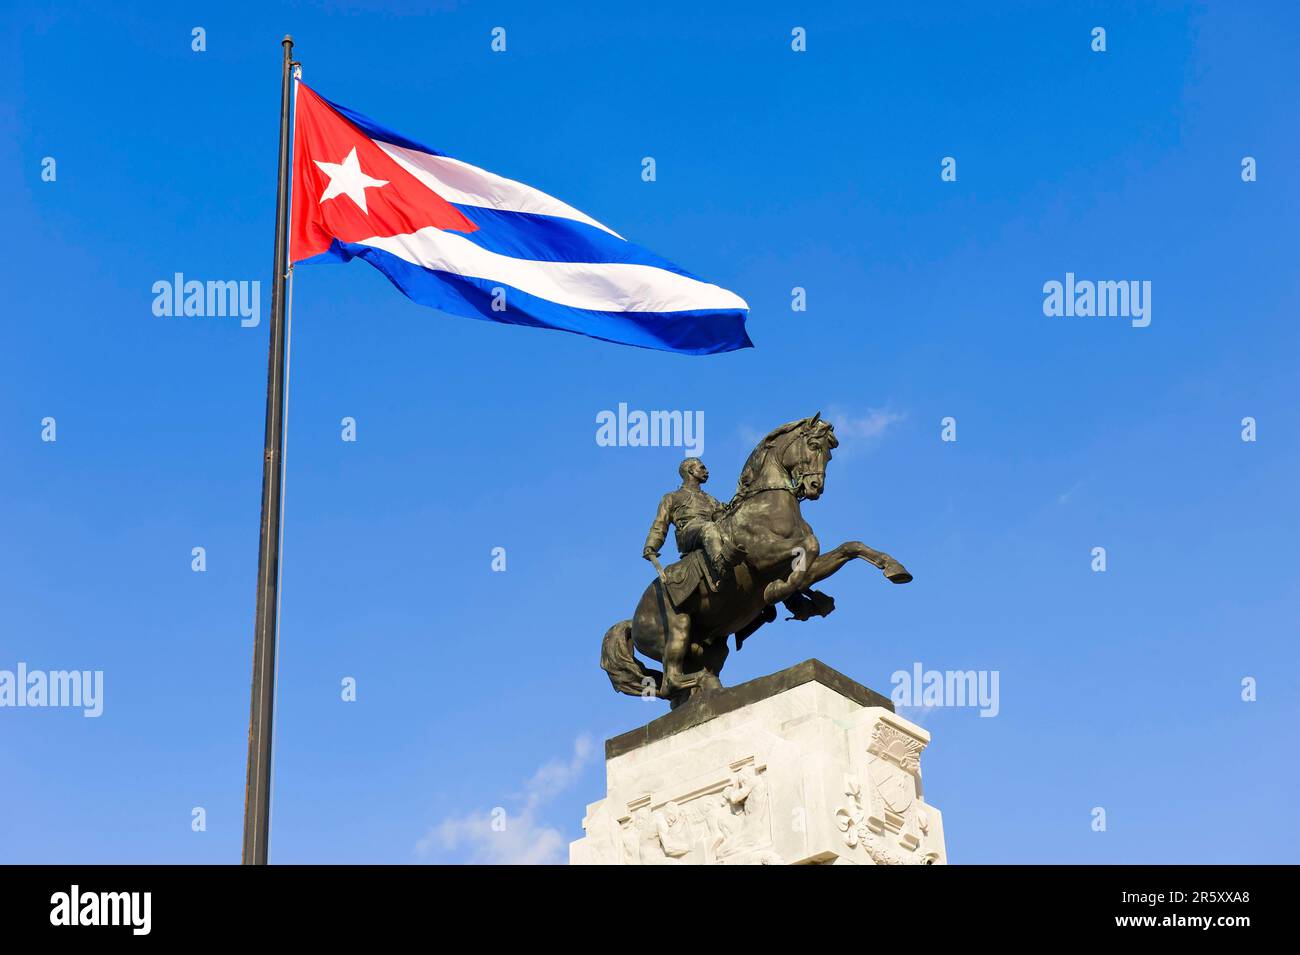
point(347, 179)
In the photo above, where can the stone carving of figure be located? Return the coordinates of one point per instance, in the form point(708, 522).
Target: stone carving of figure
point(743, 818)
point(650, 852)
point(631, 843)
point(673, 830)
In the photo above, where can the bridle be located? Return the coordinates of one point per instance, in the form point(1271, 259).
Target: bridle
point(794, 483)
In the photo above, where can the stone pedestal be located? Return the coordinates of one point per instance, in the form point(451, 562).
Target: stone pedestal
point(803, 766)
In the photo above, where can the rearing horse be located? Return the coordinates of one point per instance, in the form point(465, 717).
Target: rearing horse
point(775, 559)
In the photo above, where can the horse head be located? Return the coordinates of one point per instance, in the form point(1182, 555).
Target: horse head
point(806, 457)
point(793, 458)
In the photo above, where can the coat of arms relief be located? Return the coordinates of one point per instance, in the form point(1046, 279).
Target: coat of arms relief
point(884, 815)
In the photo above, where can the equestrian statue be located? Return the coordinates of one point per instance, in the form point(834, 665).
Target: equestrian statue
point(737, 562)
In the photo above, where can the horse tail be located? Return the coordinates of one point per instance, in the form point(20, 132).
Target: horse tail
point(625, 671)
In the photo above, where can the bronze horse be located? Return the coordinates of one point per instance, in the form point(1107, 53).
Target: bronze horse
point(775, 559)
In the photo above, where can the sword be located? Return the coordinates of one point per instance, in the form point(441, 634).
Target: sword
point(663, 579)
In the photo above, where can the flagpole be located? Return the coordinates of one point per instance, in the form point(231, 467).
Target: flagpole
point(257, 794)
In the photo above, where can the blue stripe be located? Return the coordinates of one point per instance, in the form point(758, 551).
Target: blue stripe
point(698, 332)
point(377, 130)
point(543, 238)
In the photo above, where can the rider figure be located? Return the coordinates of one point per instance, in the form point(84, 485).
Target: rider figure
point(692, 511)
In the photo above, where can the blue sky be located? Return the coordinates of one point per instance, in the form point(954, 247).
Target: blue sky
point(775, 169)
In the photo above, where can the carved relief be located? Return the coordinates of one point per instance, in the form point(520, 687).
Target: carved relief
point(808, 776)
point(890, 743)
point(740, 817)
point(861, 829)
point(884, 814)
point(661, 837)
point(728, 821)
point(673, 830)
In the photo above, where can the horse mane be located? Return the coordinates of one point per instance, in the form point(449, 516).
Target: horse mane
point(749, 473)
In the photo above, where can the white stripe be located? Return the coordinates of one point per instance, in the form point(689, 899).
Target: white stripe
point(604, 287)
point(467, 185)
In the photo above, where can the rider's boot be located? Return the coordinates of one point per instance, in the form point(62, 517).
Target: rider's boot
point(718, 562)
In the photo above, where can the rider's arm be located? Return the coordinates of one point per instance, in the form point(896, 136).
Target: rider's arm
point(659, 529)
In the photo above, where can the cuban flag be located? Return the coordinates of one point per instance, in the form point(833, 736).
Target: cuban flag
point(466, 241)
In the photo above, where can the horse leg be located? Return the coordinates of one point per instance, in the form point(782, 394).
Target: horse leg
point(801, 565)
point(715, 655)
point(677, 641)
point(831, 561)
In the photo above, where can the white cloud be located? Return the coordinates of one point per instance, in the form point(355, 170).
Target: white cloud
point(521, 841)
point(501, 836)
point(556, 776)
point(868, 426)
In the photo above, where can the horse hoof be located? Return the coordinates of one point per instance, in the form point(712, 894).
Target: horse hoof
point(896, 573)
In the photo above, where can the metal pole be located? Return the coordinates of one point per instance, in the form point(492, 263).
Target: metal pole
point(257, 795)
